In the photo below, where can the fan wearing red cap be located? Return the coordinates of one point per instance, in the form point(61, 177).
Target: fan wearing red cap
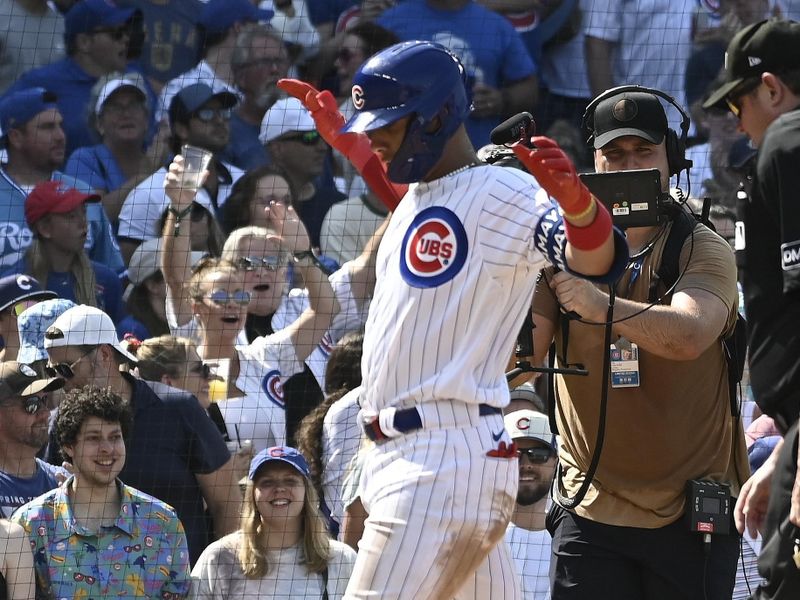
point(56, 215)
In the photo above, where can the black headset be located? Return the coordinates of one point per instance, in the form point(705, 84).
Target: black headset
point(675, 145)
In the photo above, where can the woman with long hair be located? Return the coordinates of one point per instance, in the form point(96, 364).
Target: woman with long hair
point(324, 444)
point(57, 217)
point(251, 196)
point(282, 548)
point(212, 312)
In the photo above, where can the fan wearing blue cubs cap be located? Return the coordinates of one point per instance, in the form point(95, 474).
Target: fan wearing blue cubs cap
point(455, 274)
point(17, 293)
point(282, 548)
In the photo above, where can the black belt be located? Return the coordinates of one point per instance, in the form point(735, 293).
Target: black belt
point(408, 420)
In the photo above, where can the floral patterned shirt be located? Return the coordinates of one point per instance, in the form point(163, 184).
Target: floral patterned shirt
point(143, 555)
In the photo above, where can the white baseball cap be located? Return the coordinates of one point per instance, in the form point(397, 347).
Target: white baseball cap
point(84, 325)
point(285, 116)
point(111, 87)
point(529, 424)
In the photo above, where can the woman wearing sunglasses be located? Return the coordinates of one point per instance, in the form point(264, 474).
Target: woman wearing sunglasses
point(213, 311)
point(282, 549)
point(174, 361)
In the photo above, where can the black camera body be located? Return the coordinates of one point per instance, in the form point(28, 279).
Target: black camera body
point(708, 506)
point(634, 198)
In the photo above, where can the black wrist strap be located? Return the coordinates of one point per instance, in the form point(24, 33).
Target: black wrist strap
point(178, 214)
point(309, 254)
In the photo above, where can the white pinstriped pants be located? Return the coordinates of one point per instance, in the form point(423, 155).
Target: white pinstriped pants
point(438, 506)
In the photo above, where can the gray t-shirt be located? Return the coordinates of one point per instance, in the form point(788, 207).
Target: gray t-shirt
point(27, 40)
point(218, 574)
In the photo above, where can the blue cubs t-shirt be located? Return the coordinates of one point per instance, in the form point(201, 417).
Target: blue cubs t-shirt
point(16, 491)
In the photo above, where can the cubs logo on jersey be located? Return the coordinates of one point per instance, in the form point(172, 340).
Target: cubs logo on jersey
point(273, 388)
point(434, 248)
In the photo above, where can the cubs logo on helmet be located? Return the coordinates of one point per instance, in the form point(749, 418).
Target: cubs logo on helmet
point(434, 248)
point(358, 96)
point(272, 386)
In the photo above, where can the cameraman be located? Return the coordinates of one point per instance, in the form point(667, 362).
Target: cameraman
point(669, 412)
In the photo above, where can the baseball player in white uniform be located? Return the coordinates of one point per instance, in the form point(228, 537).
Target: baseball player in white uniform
point(455, 276)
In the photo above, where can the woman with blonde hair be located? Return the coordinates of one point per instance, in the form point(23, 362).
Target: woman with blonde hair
point(282, 549)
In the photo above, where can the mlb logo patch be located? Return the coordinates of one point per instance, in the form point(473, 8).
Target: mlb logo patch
point(434, 248)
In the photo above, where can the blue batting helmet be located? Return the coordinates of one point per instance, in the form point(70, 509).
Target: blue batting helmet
point(421, 79)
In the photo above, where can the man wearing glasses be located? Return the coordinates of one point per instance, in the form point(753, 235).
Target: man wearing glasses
point(762, 89)
point(290, 136)
point(200, 117)
point(526, 535)
point(25, 405)
point(94, 536)
point(259, 60)
point(175, 452)
point(96, 34)
point(17, 293)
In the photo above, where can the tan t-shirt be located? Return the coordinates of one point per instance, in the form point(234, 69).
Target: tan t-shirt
point(675, 427)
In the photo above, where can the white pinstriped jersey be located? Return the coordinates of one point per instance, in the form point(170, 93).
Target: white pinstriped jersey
point(455, 276)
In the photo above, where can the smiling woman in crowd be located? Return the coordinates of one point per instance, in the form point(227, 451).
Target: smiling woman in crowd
point(282, 549)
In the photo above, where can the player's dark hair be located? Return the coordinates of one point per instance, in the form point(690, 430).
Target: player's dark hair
point(342, 374)
point(90, 401)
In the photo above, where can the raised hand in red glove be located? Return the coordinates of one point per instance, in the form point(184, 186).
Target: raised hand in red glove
point(556, 174)
point(354, 146)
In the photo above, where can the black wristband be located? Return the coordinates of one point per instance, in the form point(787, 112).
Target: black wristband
point(309, 254)
point(179, 214)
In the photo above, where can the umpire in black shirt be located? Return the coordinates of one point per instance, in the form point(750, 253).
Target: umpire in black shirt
point(762, 68)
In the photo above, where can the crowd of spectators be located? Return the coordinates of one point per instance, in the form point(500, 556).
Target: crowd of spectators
point(175, 337)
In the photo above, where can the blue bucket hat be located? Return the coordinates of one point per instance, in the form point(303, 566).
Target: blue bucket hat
point(32, 324)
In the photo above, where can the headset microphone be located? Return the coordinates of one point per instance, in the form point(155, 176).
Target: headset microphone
point(516, 129)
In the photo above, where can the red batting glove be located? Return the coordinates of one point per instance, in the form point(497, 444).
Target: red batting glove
point(354, 146)
point(556, 174)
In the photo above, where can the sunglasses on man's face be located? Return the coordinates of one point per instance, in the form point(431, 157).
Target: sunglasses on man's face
point(32, 404)
point(734, 99)
point(307, 138)
point(223, 298)
point(208, 114)
point(65, 370)
point(270, 263)
point(538, 456)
